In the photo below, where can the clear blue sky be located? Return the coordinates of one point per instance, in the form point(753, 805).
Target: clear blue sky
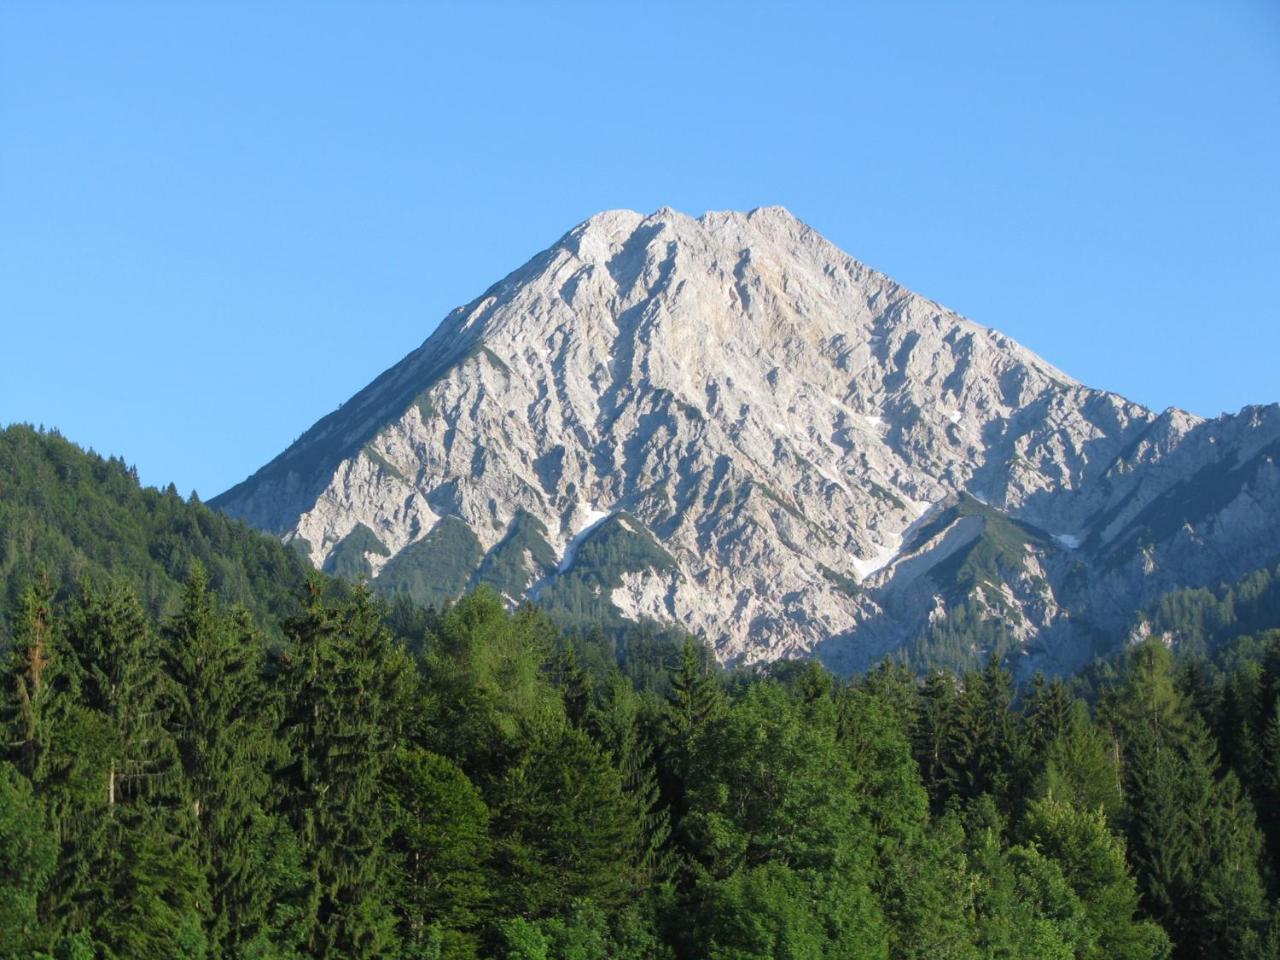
point(219, 221)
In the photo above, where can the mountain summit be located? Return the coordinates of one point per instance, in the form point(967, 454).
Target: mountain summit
point(728, 424)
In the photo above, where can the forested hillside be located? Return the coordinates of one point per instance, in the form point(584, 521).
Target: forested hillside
point(76, 516)
point(250, 763)
point(171, 790)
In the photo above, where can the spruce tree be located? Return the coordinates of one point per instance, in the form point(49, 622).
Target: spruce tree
point(147, 896)
point(619, 727)
point(344, 683)
point(695, 702)
point(440, 833)
point(30, 672)
point(1267, 779)
point(564, 829)
point(940, 715)
point(1082, 766)
point(220, 718)
point(1049, 714)
point(28, 853)
point(1193, 836)
point(987, 742)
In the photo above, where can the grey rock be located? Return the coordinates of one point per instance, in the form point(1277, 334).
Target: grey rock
point(785, 421)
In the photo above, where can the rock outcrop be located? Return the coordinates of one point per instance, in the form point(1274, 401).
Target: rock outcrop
point(786, 452)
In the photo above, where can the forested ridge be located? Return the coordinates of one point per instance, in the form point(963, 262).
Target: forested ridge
point(74, 516)
point(225, 765)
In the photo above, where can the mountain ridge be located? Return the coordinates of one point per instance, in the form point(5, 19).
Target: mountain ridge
point(778, 415)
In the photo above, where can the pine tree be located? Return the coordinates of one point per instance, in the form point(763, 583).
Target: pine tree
point(1193, 837)
point(28, 853)
point(895, 685)
point(1231, 901)
point(940, 714)
point(1049, 714)
point(344, 685)
point(617, 726)
point(773, 812)
point(220, 718)
point(696, 697)
point(989, 737)
point(31, 670)
point(1082, 766)
point(441, 837)
point(564, 829)
point(1267, 779)
point(148, 895)
point(695, 702)
point(574, 685)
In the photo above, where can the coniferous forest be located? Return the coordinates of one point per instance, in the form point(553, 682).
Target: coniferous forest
point(209, 752)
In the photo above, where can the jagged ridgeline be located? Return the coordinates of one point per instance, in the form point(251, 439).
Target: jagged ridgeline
point(77, 517)
point(728, 424)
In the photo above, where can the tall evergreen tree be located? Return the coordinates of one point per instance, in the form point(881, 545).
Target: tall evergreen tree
point(987, 742)
point(619, 726)
point(564, 829)
point(941, 710)
point(1193, 836)
point(1267, 785)
point(695, 702)
point(32, 666)
point(28, 853)
point(1082, 765)
point(344, 683)
point(221, 719)
point(441, 838)
point(150, 896)
point(1049, 713)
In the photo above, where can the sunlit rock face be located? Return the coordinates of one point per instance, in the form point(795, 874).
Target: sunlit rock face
point(791, 453)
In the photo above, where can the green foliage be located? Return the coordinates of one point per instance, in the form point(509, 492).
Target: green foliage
point(616, 546)
point(1082, 766)
point(1023, 905)
point(505, 568)
point(466, 781)
point(28, 852)
point(768, 911)
point(1202, 621)
point(1092, 861)
point(221, 717)
point(78, 516)
point(564, 828)
point(1000, 547)
point(346, 686)
point(773, 812)
point(977, 624)
point(349, 559)
point(435, 569)
point(441, 836)
point(1194, 840)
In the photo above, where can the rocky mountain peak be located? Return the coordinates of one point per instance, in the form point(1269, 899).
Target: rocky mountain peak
point(771, 422)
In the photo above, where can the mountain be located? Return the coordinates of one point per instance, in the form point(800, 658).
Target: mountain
point(729, 424)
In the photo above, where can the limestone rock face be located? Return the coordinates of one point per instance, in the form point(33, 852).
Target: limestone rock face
point(812, 445)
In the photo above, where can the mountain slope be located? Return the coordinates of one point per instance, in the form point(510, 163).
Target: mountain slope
point(75, 515)
point(783, 420)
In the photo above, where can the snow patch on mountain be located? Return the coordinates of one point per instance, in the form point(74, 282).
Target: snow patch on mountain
point(590, 519)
